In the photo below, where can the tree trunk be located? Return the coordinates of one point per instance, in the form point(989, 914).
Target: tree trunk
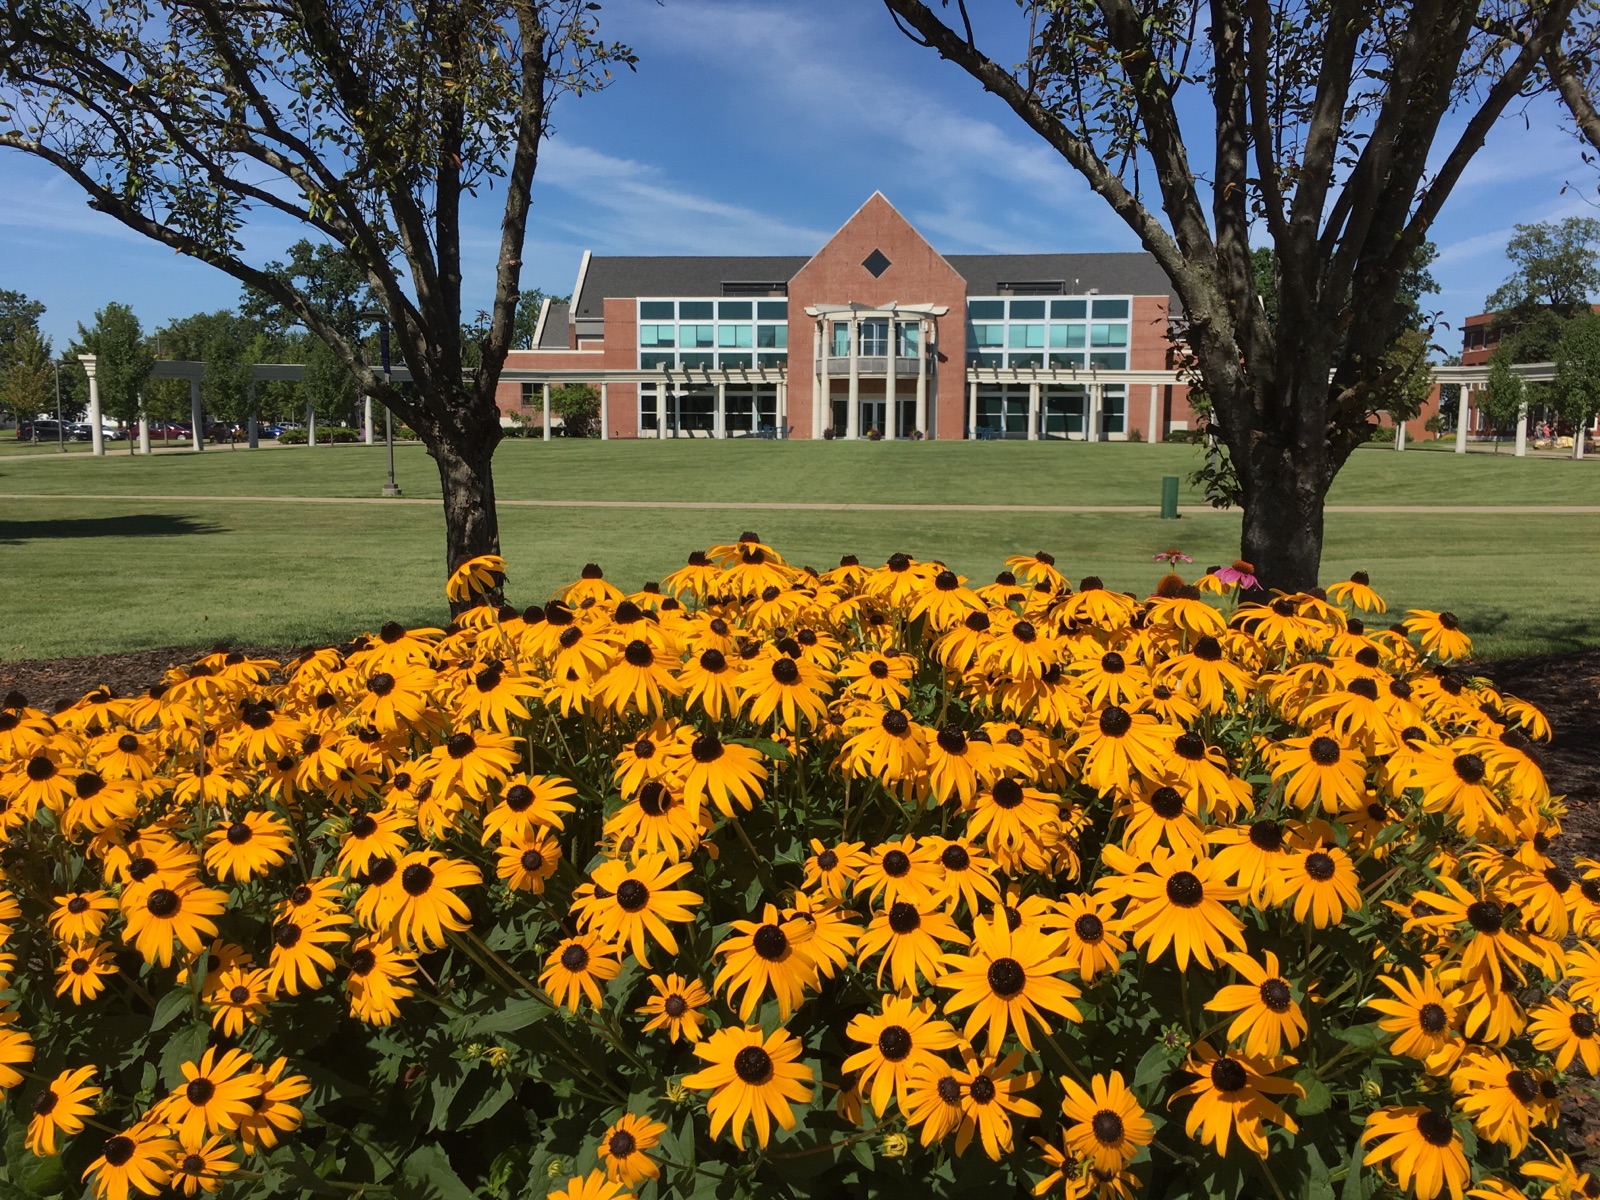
point(1282, 535)
point(471, 524)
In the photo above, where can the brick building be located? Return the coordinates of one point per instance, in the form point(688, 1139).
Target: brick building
point(876, 334)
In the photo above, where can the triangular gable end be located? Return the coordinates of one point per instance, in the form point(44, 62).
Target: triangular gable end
point(878, 248)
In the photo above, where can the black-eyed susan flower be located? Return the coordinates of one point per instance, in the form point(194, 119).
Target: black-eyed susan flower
point(957, 764)
point(1161, 814)
point(1455, 780)
point(1091, 934)
point(834, 933)
point(1319, 769)
point(200, 1165)
point(377, 834)
point(1009, 981)
point(1494, 943)
point(767, 954)
point(379, 973)
point(1357, 591)
point(215, 1096)
point(576, 968)
point(886, 745)
point(1567, 1031)
point(1232, 1097)
point(894, 872)
point(1174, 902)
point(1501, 1097)
point(82, 972)
point(991, 1091)
point(427, 904)
point(1016, 822)
point(1269, 1019)
point(710, 770)
point(626, 902)
point(968, 873)
point(476, 577)
point(710, 683)
point(1118, 746)
point(833, 870)
point(1439, 632)
point(1422, 1149)
point(164, 909)
point(791, 691)
point(639, 678)
point(300, 951)
point(1250, 854)
point(900, 1039)
point(1419, 1014)
point(529, 803)
point(138, 1159)
point(676, 1007)
point(249, 847)
point(494, 696)
point(1320, 883)
point(1105, 1123)
point(273, 1107)
point(911, 938)
point(593, 1186)
point(80, 916)
point(752, 1078)
point(238, 999)
point(59, 1110)
point(526, 863)
point(623, 1149)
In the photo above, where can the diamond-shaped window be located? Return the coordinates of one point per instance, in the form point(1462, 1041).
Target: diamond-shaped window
point(877, 262)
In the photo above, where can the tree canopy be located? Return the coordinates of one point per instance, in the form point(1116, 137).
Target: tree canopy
point(1554, 264)
point(1339, 131)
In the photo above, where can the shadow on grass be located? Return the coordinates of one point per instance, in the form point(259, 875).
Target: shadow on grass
point(13, 533)
point(1570, 636)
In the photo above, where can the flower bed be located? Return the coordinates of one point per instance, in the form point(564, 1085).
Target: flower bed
point(765, 881)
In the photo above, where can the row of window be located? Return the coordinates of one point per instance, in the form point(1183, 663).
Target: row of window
point(1063, 411)
point(747, 410)
point(1058, 310)
point(874, 337)
point(651, 360)
point(706, 310)
point(695, 337)
point(1106, 360)
point(1057, 337)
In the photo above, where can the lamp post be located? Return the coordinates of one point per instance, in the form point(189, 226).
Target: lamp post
point(61, 432)
point(382, 318)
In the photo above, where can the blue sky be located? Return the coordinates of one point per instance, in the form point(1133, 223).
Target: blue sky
point(758, 127)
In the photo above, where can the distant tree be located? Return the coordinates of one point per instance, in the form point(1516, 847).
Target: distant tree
point(329, 276)
point(1411, 377)
point(578, 406)
point(327, 384)
point(27, 378)
point(17, 313)
point(1576, 390)
point(1502, 400)
point(1554, 264)
point(123, 359)
point(528, 306)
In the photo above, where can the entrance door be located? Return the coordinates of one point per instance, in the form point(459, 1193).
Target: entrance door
point(873, 417)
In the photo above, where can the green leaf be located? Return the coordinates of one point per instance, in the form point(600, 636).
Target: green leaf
point(171, 1006)
point(1317, 1097)
point(771, 749)
point(1152, 1069)
point(1319, 1183)
point(187, 1045)
point(1355, 1186)
point(430, 1165)
point(1362, 1037)
point(30, 1176)
point(519, 1014)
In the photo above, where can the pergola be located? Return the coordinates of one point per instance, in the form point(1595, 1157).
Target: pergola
point(1470, 380)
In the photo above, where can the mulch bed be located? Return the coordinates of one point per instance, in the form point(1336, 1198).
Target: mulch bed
point(1565, 686)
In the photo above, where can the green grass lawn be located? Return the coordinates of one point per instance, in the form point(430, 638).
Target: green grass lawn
point(96, 576)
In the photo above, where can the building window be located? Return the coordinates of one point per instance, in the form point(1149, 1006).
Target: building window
point(874, 339)
point(695, 310)
point(772, 337)
point(907, 336)
point(841, 339)
point(1026, 337)
point(1066, 360)
point(1027, 360)
point(772, 310)
point(1027, 310)
point(657, 310)
point(1025, 328)
point(734, 360)
point(656, 336)
point(1113, 411)
point(695, 336)
point(1066, 337)
point(986, 310)
point(987, 335)
point(735, 335)
point(1108, 335)
point(649, 362)
point(1068, 310)
point(697, 360)
point(1108, 360)
point(734, 310)
point(1116, 310)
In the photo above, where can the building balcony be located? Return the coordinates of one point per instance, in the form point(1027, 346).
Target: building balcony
point(905, 367)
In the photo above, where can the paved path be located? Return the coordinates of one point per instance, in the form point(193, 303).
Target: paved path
point(820, 506)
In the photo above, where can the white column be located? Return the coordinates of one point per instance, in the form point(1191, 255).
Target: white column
point(662, 391)
point(144, 428)
point(605, 412)
point(783, 409)
point(547, 412)
point(253, 427)
point(922, 378)
point(719, 418)
point(852, 418)
point(97, 436)
point(366, 421)
point(1091, 429)
point(891, 415)
point(1461, 419)
point(1033, 411)
point(1580, 434)
point(972, 409)
point(197, 416)
point(1522, 431)
point(1152, 431)
point(311, 424)
point(1399, 435)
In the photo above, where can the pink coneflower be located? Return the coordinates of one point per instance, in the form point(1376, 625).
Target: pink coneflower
point(1240, 573)
point(1172, 556)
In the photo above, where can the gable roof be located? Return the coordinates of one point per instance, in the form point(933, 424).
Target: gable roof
point(1121, 274)
point(675, 275)
point(553, 329)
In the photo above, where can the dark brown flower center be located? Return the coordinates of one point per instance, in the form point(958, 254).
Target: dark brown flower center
point(954, 857)
point(574, 958)
point(982, 1090)
point(1115, 721)
point(1275, 995)
point(903, 917)
point(77, 905)
point(654, 799)
point(239, 994)
point(638, 653)
point(1485, 916)
point(239, 833)
point(40, 768)
point(896, 723)
point(828, 860)
point(1431, 1018)
point(632, 895)
point(532, 859)
point(706, 748)
point(1007, 978)
point(459, 745)
point(753, 1065)
point(1266, 835)
point(1089, 928)
point(1319, 866)
point(675, 1005)
point(1469, 768)
point(714, 661)
point(200, 1091)
point(1185, 889)
point(1435, 1128)
point(1167, 803)
point(163, 903)
point(1228, 1076)
point(949, 1089)
point(894, 1043)
point(1107, 1127)
point(1522, 1085)
point(951, 740)
point(287, 935)
point(1582, 1025)
point(417, 879)
point(118, 1150)
point(1007, 793)
point(44, 1103)
point(1324, 751)
point(896, 863)
point(622, 1144)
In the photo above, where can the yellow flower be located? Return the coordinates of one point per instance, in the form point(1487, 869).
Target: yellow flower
point(751, 1078)
point(60, 1109)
